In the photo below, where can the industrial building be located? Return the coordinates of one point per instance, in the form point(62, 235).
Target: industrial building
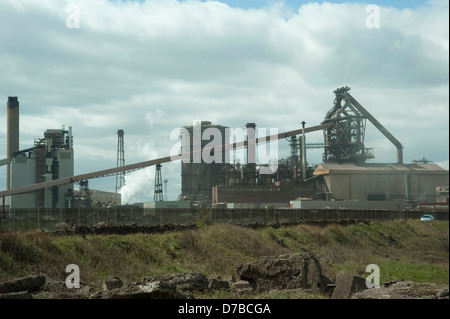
point(197, 177)
point(382, 182)
point(85, 197)
point(343, 175)
point(343, 179)
point(49, 159)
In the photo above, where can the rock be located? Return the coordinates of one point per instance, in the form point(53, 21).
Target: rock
point(86, 291)
point(347, 284)
point(16, 295)
point(241, 287)
point(183, 282)
point(149, 290)
point(300, 270)
point(442, 293)
point(231, 280)
point(53, 285)
point(403, 290)
point(29, 284)
point(112, 283)
point(216, 284)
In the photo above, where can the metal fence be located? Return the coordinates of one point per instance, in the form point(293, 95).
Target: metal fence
point(64, 218)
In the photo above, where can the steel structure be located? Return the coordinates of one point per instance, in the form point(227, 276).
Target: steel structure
point(158, 195)
point(120, 176)
point(344, 141)
point(85, 194)
point(140, 165)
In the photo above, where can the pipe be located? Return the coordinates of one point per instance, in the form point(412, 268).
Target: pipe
point(303, 151)
point(381, 128)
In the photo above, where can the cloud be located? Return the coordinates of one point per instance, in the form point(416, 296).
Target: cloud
point(150, 67)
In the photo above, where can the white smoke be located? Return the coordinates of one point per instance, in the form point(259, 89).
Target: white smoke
point(138, 186)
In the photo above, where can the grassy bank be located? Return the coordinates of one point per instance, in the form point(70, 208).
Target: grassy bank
point(404, 249)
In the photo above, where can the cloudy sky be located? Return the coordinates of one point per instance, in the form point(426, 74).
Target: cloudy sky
point(149, 67)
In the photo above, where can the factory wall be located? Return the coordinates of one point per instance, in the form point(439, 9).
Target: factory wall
point(281, 192)
point(393, 205)
point(167, 204)
point(23, 172)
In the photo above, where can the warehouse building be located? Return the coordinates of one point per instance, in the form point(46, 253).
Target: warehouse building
point(379, 181)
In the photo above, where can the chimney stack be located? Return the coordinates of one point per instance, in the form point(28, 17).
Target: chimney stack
point(12, 131)
point(251, 143)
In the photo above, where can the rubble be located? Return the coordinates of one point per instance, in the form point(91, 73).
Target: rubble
point(300, 270)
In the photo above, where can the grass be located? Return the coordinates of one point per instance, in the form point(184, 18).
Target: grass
point(403, 249)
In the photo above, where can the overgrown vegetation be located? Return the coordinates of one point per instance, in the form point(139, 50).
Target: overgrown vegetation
point(403, 249)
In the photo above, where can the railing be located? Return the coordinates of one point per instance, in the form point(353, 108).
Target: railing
point(66, 218)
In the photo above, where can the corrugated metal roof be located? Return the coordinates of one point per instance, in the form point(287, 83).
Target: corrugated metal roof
point(326, 168)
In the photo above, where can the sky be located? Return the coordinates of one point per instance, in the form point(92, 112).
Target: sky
point(151, 67)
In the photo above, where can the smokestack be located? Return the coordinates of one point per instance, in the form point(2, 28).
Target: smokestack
point(303, 151)
point(12, 131)
point(70, 138)
point(251, 146)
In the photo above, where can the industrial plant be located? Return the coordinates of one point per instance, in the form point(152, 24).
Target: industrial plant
point(43, 176)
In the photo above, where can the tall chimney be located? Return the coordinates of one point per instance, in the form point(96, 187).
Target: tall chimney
point(251, 146)
point(303, 151)
point(12, 132)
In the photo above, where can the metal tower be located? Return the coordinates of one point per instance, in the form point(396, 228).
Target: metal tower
point(120, 176)
point(344, 142)
point(85, 194)
point(158, 195)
